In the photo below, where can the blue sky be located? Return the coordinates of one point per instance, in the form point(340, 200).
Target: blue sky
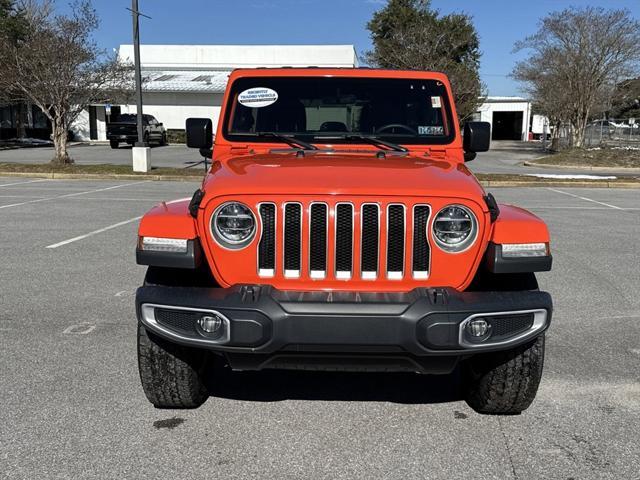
point(500, 24)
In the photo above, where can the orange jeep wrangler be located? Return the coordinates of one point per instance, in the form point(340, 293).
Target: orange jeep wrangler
point(339, 229)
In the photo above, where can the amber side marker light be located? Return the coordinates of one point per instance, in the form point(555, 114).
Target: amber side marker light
point(158, 244)
point(519, 250)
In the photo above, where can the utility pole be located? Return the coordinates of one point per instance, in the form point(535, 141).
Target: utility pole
point(141, 151)
point(136, 54)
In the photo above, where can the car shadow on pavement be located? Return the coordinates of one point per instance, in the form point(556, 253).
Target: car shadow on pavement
point(278, 385)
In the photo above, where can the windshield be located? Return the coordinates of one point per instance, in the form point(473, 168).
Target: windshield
point(335, 109)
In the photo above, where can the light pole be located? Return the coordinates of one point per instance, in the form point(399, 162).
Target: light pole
point(135, 13)
point(140, 152)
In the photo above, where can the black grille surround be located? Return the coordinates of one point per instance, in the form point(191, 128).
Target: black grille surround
point(421, 250)
point(318, 238)
point(292, 239)
point(344, 239)
point(370, 239)
point(395, 240)
point(267, 245)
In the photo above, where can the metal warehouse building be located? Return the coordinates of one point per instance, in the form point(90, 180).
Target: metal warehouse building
point(182, 81)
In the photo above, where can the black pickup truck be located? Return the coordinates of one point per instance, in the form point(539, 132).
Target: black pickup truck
point(124, 130)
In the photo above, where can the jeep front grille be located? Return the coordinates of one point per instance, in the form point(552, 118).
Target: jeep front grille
point(320, 241)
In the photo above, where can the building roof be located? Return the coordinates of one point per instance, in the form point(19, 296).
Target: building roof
point(194, 81)
point(220, 57)
point(498, 99)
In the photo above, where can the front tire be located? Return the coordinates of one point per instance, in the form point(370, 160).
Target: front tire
point(114, 144)
point(171, 375)
point(505, 382)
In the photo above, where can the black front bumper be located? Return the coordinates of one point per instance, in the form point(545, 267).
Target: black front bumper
point(285, 329)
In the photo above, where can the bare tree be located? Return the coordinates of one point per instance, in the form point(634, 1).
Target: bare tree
point(59, 68)
point(576, 59)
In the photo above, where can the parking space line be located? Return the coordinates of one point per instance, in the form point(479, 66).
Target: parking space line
point(95, 232)
point(68, 195)
point(22, 183)
point(585, 199)
point(22, 196)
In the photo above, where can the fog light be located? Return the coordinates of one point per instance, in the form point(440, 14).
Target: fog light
point(210, 323)
point(477, 328)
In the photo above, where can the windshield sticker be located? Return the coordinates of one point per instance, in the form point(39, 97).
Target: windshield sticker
point(423, 130)
point(436, 102)
point(258, 97)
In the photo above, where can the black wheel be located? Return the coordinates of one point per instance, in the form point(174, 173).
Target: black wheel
point(114, 144)
point(163, 140)
point(171, 375)
point(505, 382)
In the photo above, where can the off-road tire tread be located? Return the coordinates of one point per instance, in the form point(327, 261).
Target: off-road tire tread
point(506, 382)
point(171, 374)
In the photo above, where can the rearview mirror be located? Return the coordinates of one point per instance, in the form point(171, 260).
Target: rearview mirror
point(199, 133)
point(477, 138)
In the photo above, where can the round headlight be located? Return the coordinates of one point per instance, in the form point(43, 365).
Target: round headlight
point(233, 225)
point(455, 228)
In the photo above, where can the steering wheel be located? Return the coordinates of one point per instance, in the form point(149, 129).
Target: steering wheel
point(397, 125)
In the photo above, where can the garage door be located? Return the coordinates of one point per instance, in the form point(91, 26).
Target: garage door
point(507, 125)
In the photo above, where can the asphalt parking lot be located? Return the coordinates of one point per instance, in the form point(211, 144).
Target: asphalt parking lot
point(72, 405)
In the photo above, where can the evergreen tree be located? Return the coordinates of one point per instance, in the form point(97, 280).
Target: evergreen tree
point(409, 34)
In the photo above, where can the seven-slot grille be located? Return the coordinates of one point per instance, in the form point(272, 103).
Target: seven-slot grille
point(353, 228)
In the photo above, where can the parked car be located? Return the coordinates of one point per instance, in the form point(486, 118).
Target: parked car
point(125, 130)
point(339, 228)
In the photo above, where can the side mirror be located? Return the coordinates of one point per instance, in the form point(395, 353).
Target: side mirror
point(160, 124)
point(477, 138)
point(199, 133)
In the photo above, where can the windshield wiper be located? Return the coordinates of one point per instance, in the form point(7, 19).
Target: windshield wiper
point(293, 141)
point(369, 139)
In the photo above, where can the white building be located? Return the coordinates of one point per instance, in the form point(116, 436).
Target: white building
point(183, 81)
point(510, 117)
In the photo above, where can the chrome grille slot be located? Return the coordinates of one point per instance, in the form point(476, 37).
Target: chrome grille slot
point(395, 241)
point(267, 245)
point(370, 243)
point(318, 240)
point(292, 239)
point(344, 240)
point(421, 250)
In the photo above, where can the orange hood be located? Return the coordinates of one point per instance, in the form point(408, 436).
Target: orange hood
point(341, 174)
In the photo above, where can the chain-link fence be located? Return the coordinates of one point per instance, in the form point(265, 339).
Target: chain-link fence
point(604, 133)
point(613, 133)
